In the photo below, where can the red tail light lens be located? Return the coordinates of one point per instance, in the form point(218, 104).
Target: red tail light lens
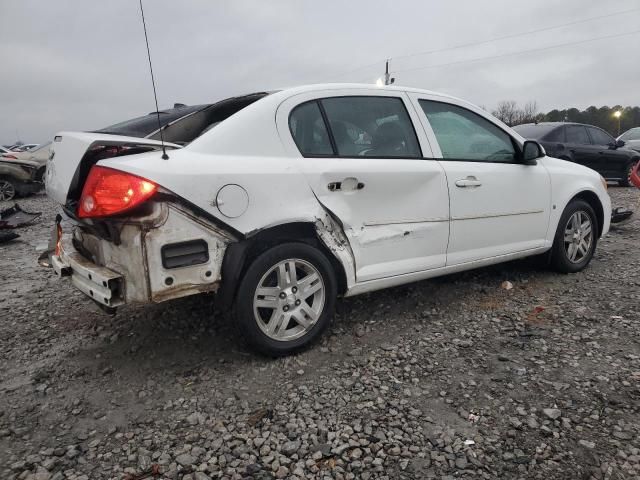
point(8, 155)
point(109, 192)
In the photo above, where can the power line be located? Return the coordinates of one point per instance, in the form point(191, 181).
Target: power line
point(471, 60)
point(514, 35)
point(483, 42)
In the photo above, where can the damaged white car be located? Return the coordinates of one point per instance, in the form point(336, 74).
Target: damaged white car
point(281, 202)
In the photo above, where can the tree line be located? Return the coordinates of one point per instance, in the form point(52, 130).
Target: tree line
point(512, 114)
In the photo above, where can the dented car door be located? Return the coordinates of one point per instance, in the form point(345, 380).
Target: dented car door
point(364, 161)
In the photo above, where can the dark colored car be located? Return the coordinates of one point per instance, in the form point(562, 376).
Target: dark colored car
point(584, 144)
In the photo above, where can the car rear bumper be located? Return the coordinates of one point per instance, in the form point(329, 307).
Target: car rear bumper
point(168, 254)
point(101, 284)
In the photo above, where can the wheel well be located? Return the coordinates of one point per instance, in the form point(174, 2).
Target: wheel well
point(239, 255)
point(593, 200)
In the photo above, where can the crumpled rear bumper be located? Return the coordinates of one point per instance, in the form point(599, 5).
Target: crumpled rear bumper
point(100, 283)
point(168, 254)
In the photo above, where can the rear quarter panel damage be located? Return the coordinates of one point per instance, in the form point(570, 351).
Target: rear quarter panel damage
point(138, 256)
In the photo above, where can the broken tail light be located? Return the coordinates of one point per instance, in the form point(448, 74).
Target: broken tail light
point(109, 192)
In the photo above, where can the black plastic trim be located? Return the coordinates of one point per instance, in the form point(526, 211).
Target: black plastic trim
point(184, 254)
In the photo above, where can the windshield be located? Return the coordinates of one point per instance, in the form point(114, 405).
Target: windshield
point(534, 131)
point(146, 125)
point(633, 134)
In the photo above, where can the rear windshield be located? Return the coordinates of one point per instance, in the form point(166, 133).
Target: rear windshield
point(534, 131)
point(146, 125)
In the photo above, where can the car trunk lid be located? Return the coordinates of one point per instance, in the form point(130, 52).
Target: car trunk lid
point(74, 153)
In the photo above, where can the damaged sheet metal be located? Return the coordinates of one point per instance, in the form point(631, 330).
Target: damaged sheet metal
point(331, 234)
point(15, 217)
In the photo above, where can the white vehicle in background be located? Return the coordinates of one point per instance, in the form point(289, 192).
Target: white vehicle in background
point(310, 193)
point(631, 138)
point(25, 147)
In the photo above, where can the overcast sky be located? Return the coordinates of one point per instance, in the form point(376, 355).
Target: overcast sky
point(81, 65)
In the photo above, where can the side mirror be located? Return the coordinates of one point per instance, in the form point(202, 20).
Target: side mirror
point(619, 143)
point(531, 151)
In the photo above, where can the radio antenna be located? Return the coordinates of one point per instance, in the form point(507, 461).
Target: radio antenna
point(153, 83)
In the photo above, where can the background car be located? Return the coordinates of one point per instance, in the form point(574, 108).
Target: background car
point(20, 177)
point(40, 154)
point(25, 147)
point(584, 144)
point(631, 138)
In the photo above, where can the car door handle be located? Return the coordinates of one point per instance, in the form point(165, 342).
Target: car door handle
point(468, 182)
point(347, 185)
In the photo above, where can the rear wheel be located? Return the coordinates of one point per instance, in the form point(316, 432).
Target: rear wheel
point(626, 178)
point(576, 238)
point(7, 189)
point(286, 298)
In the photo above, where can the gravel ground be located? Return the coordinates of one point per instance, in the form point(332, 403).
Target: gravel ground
point(457, 377)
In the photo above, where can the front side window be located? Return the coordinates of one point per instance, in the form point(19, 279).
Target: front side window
point(371, 127)
point(598, 137)
point(466, 136)
point(577, 134)
point(309, 131)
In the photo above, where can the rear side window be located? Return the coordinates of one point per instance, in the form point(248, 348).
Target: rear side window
point(466, 136)
point(309, 131)
point(371, 127)
point(577, 134)
point(358, 126)
point(556, 135)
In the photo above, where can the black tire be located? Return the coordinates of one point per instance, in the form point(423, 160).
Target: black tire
point(626, 178)
point(8, 189)
point(559, 256)
point(245, 315)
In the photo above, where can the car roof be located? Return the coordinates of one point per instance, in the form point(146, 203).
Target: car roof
point(293, 90)
point(558, 124)
point(258, 118)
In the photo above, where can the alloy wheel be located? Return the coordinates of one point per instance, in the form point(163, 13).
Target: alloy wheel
point(578, 236)
point(7, 190)
point(289, 299)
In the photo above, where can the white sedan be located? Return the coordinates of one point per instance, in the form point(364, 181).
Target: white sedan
point(299, 196)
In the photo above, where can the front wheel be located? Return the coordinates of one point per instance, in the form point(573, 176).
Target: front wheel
point(286, 298)
point(576, 238)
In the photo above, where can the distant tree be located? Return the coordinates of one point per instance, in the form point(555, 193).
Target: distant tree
point(510, 113)
point(507, 111)
point(599, 116)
